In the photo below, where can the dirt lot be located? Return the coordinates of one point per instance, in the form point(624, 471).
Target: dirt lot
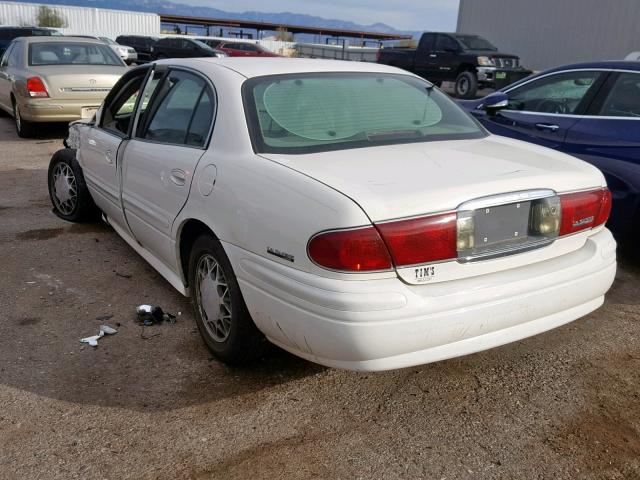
point(560, 405)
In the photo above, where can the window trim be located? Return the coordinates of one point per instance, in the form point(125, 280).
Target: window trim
point(587, 113)
point(214, 115)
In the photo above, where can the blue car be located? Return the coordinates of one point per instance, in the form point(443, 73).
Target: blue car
point(589, 110)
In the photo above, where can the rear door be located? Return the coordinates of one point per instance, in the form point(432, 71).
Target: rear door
point(6, 81)
point(544, 109)
point(609, 138)
point(162, 156)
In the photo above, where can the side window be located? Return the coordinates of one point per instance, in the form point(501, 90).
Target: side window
point(5, 57)
point(560, 93)
point(118, 113)
point(623, 100)
point(12, 60)
point(426, 42)
point(444, 43)
point(182, 112)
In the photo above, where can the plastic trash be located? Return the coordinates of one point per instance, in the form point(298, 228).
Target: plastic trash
point(149, 315)
point(104, 330)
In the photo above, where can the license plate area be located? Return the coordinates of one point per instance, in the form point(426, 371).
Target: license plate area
point(507, 224)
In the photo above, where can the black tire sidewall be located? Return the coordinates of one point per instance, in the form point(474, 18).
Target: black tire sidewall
point(244, 340)
point(473, 85)
point(85, 209)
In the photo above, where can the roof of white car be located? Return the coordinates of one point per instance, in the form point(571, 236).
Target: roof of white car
point(257, 66)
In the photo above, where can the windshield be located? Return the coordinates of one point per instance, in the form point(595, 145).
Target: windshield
point(306, 113)
point(71, 53)
point(201, 44)
point(472, 42)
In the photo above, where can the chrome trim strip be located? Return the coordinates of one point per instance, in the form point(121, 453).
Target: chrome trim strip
point(505, 199)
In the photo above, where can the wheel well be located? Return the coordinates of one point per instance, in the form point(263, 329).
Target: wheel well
point(466, 67)
point(191, 230)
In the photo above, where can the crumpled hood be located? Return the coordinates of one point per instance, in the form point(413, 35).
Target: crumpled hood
point(398, 181)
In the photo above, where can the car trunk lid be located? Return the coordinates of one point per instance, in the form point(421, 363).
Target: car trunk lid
point(73, 82)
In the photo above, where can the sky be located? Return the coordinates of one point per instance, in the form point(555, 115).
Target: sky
point(402, 14)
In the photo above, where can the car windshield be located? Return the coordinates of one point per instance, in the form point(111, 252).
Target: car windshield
point(71, 53)
point(306, 113)
point(201, 44)
point(473, 42)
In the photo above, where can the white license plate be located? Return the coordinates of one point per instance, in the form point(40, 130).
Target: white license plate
point(88, 112)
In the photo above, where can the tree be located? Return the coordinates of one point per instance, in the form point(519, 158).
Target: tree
point(48, 17)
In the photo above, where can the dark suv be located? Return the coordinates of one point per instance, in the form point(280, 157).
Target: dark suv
point(9, 33)
point(174, 47)
point(141, 44)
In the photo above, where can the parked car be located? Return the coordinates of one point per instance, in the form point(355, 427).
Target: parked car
point(176, 47)
point(589, 110)
point(141, 44)
point(635, 56)
point(239, 49)
point(468, 60)
point(7, 34)
point(350, 213)
point(125, 52)
point(55, 79)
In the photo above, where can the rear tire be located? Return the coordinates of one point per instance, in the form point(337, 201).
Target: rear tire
point(24, 128)
point(67, 189)
point(221, 313)
point(466, 85)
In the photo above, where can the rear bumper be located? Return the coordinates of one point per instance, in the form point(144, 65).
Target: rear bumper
point(54, 109)
point(386, 324)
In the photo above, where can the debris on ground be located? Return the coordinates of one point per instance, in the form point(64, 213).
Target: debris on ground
point(123, 275)
point(149, 315)
point(104, 330)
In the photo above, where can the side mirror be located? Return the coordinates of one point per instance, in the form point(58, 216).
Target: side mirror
point(494, 102)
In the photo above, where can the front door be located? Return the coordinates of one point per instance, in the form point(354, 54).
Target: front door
point(543, 110)
point(160, 159)
point(103, 145)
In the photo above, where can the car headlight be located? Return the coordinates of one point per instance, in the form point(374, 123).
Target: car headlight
point(485, 62)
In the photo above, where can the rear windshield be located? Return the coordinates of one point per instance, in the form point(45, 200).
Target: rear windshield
point(471, 42)
point(307, 113)
point(70, 53)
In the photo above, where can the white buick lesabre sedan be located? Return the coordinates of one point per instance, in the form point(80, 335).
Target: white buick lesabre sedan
point(350, 213)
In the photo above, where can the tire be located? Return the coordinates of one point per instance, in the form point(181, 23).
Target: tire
point(24, 128)
point(466, 85)
point(215, 291)
point(68, 191)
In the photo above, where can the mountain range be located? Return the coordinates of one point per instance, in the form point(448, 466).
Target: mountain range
point(174, 8)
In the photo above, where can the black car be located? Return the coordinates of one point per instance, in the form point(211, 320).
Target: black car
point(9, 33)
point(141, 44)
point(175, 47)
point(468, 60)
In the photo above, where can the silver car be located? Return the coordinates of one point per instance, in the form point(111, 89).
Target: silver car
point(126, 53)
point(55, 79)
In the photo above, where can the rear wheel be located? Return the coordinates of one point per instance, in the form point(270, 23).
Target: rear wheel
point(466, 85)
point(67, 189)
point(221, 314)
point(24, 128)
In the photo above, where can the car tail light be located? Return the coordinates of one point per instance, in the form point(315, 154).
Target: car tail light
point(36, 88)
point(584, 210)
point(356, 250)
point(421, 240)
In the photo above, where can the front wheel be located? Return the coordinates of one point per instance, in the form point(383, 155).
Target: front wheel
point(67, 188)
point(221, 314)
point(466, 85)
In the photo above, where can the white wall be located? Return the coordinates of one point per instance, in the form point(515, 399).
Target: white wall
point(85, 21)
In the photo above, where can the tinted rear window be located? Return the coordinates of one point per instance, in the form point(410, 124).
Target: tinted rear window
point(71, 53)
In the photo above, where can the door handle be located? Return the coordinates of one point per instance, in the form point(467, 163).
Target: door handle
point(433, 55)
point(178, 176)
point(109, 156)
point(92, 142)
point(547, 127)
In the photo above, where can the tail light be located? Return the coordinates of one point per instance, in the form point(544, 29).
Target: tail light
point(446, 236)
point(584, 210)
point(356, 250)
point(36, 88)
point(421, 240)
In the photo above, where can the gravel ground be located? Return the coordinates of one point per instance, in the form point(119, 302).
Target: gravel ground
point(564, 404)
